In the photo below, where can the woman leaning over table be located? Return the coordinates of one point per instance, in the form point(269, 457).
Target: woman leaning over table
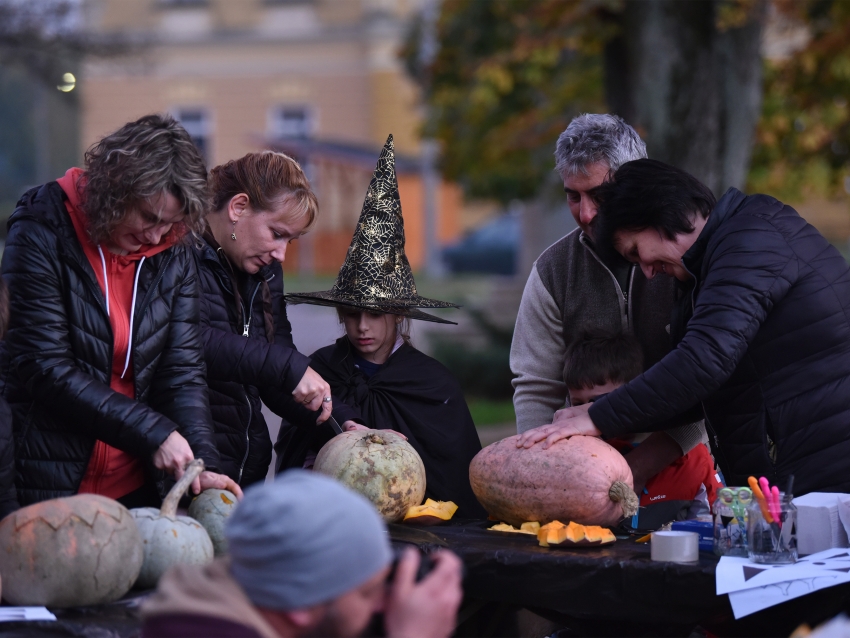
point(105, 371)
point(763, 329)
point(261, 203)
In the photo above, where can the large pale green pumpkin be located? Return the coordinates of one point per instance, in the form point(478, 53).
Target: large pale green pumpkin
point(212, 508)
point(69, 552)
point(169, 539)
point(379, 464)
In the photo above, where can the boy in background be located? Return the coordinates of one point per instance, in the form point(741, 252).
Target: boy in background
point(598, 363)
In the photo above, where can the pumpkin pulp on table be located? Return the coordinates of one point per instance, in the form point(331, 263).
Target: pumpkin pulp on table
point(556, 533)
point(431, 512)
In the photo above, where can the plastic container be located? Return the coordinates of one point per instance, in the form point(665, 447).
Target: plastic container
point(730, 526)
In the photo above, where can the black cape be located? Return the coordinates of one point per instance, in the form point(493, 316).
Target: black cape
point(417, 396)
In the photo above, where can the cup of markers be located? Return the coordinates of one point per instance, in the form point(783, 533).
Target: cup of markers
point(771, 523)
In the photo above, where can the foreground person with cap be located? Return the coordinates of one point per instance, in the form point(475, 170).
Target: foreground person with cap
point(374, 369)
point(308, 557)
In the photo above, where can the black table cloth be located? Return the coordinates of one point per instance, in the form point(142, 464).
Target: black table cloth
point(616, 585)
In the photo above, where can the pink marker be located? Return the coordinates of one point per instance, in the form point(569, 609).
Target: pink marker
point(768, 496)
point(777, 505)
point(765, 489)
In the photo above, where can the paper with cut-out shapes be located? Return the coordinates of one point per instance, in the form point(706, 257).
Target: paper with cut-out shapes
point(749, 601)
point(735, 574)
point(754, 586)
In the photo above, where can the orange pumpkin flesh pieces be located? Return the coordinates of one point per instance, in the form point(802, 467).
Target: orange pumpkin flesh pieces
point(431, 512)
point(555, 533)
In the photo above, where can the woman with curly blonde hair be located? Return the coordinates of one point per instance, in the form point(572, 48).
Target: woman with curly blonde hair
point(106, 375)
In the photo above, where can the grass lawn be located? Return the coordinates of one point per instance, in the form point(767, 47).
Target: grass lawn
point(489, 412)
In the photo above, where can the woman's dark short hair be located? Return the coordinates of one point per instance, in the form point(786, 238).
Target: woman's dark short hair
point(598, 357)
point(647, 193)
point(138, 163)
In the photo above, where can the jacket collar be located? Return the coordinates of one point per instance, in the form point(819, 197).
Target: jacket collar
point(212, 251)
point(45, 204)
point(726, 207)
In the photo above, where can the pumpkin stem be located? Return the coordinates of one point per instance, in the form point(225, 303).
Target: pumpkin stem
point(624, 495)
point(170, 502)
point(376, 438)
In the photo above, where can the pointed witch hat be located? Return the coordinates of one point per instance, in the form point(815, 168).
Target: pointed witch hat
point(376, 275)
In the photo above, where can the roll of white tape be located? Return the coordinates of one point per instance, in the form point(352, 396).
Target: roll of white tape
point(675, 547)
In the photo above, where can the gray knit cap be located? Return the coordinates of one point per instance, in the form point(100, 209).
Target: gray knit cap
point(303, 540)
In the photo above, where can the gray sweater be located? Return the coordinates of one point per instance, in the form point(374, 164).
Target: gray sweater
point(571, 289)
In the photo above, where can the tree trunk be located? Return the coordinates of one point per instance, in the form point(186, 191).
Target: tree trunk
point(692, 90)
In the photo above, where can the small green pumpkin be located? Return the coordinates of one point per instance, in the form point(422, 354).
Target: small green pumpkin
point(212, 508)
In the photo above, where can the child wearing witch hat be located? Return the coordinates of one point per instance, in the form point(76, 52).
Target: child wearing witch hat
point(374, 368)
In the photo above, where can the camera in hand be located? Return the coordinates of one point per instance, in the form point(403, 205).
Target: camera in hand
point(426, 564)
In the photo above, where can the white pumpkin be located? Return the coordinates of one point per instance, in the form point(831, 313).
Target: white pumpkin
point(379, 464)
point(69, 552)
point(169, 539)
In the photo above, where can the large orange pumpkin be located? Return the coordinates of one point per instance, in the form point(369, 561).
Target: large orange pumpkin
point(69, 552)
point(581, 479)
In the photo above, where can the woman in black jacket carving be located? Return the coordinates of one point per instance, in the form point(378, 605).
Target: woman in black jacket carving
point(763, 329)
point(261, 203)
point(105, 373)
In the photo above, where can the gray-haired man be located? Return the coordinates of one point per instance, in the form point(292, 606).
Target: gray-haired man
point(572, 288)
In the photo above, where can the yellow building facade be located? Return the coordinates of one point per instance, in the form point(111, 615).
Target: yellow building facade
point(243, 75)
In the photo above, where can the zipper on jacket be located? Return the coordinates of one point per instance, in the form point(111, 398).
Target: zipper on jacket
point(247, 439)
point(245, 333)
point(247, 322)
point(623, 298)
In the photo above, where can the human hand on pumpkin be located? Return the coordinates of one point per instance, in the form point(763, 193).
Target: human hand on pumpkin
point(570, 412)
point(312, 391)
point(214, 481)
point(563, 429)
point(427, 608)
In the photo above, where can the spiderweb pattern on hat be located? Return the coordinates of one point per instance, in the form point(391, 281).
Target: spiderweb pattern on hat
point(376, 274)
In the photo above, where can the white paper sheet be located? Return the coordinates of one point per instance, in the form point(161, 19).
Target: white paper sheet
point(736, 574)
point(17, 614)
point(749, 601)
point(753, 586)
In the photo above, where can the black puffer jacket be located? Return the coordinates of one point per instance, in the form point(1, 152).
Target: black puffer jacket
point(245, 366)
point(8, 497)
point(60, 349)
point(767, 350)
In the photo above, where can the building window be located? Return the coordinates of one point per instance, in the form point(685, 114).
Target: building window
point(291, 121)
point(198, 125)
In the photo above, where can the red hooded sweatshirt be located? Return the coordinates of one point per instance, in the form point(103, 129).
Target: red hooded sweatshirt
point(112, 472)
